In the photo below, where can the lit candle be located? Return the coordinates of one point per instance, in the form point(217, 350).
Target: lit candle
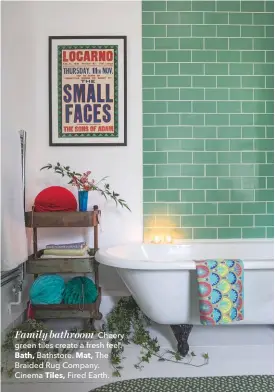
point(168, 239)
point(156, 239)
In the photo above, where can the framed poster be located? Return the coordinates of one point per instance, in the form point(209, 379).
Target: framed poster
point(88, 91)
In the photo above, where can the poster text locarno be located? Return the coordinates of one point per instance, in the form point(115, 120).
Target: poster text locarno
point(88, 78)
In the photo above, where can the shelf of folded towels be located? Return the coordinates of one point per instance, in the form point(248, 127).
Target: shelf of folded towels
point(64, 258)
point(59, 311)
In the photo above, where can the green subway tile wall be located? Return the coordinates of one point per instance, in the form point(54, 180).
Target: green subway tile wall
point(208, 118)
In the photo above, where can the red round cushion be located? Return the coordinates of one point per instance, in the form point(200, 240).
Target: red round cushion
point(55, 198)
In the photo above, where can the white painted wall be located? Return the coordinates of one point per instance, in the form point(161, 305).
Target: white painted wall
point(25, 30)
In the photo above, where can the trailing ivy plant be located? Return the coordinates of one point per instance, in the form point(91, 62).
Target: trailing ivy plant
point(128, 320)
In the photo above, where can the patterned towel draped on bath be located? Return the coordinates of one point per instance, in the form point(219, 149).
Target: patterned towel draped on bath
point(220, 288)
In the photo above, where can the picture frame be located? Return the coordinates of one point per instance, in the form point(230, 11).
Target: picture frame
point(87, 91)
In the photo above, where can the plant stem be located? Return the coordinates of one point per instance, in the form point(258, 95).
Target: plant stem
point(174, 361)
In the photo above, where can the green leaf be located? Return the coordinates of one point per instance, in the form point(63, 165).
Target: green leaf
point(177, 356)
point(170, 352)
point(116, 374)
point(10, 372)
point(49, 166)
point(103, 194)
point(205, 356)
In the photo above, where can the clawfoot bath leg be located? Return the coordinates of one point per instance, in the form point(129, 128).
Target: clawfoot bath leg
point(181, 333)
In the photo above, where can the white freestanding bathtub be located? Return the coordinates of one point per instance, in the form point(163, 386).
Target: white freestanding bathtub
point(162, 278)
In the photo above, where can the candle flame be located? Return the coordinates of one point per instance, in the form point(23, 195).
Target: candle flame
point(165, 239)
point(156, 239)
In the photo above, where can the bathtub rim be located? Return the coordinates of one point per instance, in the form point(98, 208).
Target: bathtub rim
point(103, 257)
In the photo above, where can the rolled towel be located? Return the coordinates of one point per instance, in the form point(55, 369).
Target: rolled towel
point(80, 290)
point(66, 252)
point(73, 245)
point(47, 289)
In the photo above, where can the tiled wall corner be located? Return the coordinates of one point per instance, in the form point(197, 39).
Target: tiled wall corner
point(208, 118)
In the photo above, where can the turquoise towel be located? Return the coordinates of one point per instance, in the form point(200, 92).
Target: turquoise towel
point(220, 288)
